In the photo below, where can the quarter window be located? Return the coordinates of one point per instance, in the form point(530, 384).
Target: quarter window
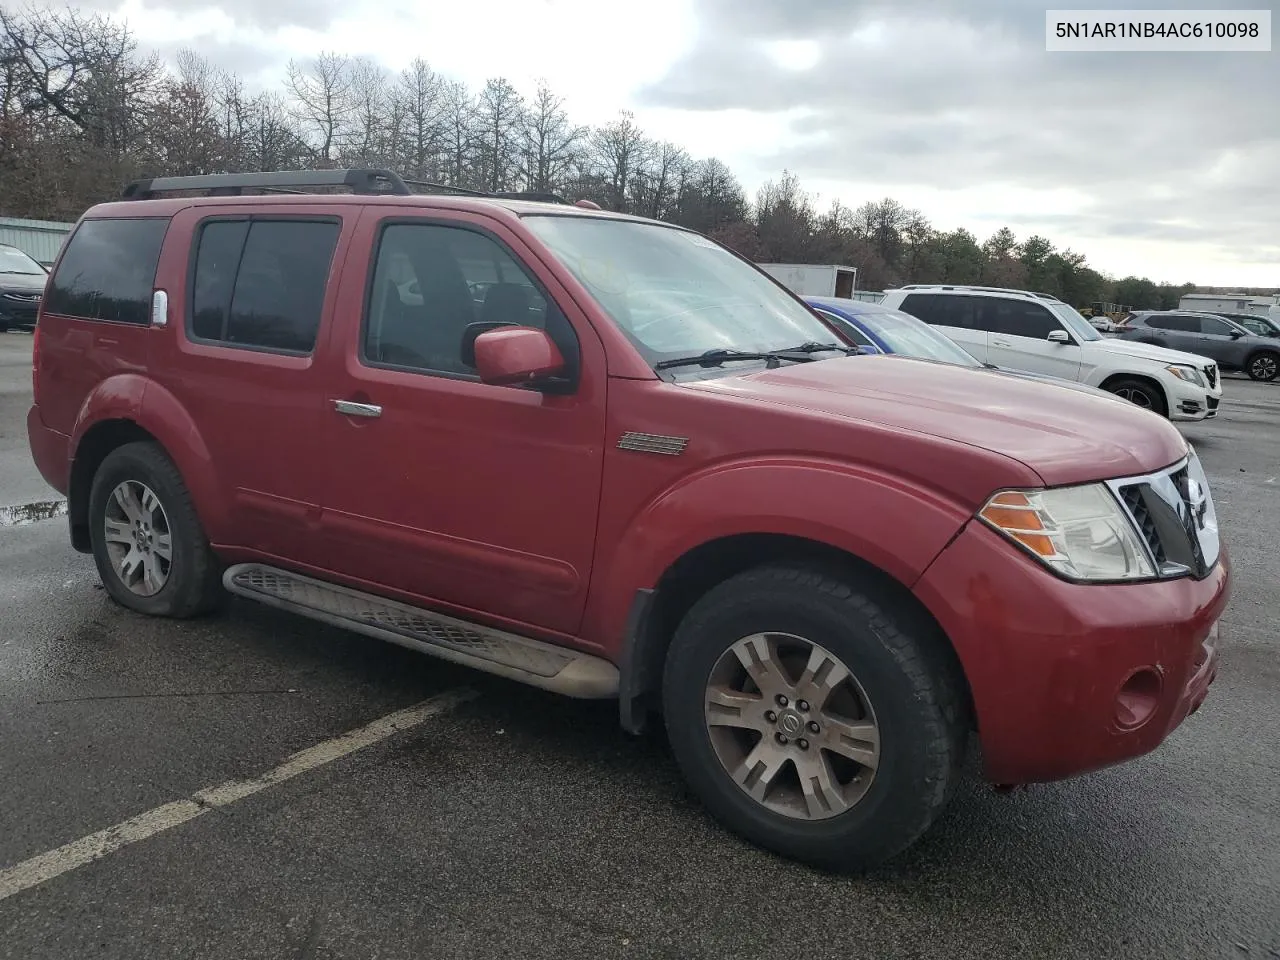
point(940, 310)
point(261, 283)
point(434, 286)
point(108, 271)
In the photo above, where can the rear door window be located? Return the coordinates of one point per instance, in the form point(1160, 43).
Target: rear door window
point(1018, 318)
point(108, 271)
point(260, 283)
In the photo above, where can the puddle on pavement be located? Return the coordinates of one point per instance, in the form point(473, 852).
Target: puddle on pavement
point(25, 513)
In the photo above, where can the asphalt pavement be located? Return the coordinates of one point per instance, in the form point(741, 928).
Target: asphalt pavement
point(503, 822)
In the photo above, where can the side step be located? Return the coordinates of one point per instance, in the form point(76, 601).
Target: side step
point(538, 664)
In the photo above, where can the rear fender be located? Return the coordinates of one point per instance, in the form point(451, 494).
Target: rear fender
point(156, 410)
point(885, 521)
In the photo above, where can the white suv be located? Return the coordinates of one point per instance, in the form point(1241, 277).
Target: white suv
point(1037, 333)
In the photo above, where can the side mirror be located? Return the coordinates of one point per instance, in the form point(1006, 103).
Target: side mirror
point(1236, 334)
point(473, 330)
point(1059, 336)
point(513, 356)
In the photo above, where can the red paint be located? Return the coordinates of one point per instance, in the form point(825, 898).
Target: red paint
point(517, 507)
point(516, 356)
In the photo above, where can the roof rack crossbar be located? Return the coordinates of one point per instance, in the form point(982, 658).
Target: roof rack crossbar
point(371, 181)
point(234, 184)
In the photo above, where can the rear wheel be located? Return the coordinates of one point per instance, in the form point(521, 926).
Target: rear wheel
point(1140, 394)
point(150, 549)
point(809, 720)
point(1263, 365)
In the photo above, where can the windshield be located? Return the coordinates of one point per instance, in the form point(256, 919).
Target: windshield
point(1075, 322)
point(13, 260)
point(675, 293)
point(914, 338)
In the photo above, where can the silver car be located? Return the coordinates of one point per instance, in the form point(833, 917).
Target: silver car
point(1209, 335)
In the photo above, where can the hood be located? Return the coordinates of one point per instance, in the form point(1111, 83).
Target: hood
point(22, 282)
point(1149, 351)
point(1065, 436)
point(1057, 382)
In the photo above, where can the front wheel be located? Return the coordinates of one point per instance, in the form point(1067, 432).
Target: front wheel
point(810, 720)
point(1140, 394)
point(1264, 366)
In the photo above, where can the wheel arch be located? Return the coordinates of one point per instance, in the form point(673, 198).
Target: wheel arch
point(657, 611)
point(1143, 379)
point(130, 409)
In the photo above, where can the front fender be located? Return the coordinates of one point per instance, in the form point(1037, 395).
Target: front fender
point(884, 520)
point(158, 412)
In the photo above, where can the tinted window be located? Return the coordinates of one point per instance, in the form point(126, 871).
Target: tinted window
point(108, 271)
point(261, 283)
point(944, 311)
point(1174, 322)
point(1018, 318)
point(431, 282)
point(1216, 327)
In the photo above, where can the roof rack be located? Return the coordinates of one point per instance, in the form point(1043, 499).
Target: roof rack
point(359, 181)
point(980, 289)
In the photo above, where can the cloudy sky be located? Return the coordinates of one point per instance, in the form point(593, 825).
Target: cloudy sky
point(1160, 165)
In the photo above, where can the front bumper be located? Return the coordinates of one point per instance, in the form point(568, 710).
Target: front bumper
point(1068, 678)
point(1189, 402)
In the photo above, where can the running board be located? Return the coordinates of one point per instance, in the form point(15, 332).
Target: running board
point(539, 664)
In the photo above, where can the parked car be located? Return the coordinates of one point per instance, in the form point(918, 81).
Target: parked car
point(22, 283)
point(1257, 325)
point(1038, 333)
point(877, 329)
point(638, 468)
point(1209, 335)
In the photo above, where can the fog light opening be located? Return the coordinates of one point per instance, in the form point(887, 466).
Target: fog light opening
point(1138, 698)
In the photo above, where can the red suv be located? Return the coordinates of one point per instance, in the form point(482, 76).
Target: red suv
point(610, 458)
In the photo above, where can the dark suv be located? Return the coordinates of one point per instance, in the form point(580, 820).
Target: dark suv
point(1209, 335)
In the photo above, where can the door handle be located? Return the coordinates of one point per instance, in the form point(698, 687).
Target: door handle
point(353, 409)
point(1000, 343)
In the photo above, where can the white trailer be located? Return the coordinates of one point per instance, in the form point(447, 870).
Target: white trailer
point(814, 280)
point(1230, 303)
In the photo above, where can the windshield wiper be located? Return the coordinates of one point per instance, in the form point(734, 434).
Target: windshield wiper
point(714, 358)
point(812, 346)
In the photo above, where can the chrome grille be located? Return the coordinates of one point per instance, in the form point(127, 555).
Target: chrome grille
point(1174, 512)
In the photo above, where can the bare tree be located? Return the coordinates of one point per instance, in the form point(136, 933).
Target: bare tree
point(321, 94)
point(498, 121)
point(550, 143)
point(459, 135)
point(419, 99)
point(620, 150)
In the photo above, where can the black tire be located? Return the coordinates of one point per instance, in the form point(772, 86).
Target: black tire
point(1152, 396)
point(911, 680)
point(1263, 365)
point(193, 586)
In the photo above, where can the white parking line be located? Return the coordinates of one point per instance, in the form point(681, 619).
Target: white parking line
point(95, 846)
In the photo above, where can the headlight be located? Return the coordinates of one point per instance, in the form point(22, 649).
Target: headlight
point(1187, 373)
point(1080, 532)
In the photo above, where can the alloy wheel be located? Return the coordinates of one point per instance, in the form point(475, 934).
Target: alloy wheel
point(792, 726)
point(138, 538)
